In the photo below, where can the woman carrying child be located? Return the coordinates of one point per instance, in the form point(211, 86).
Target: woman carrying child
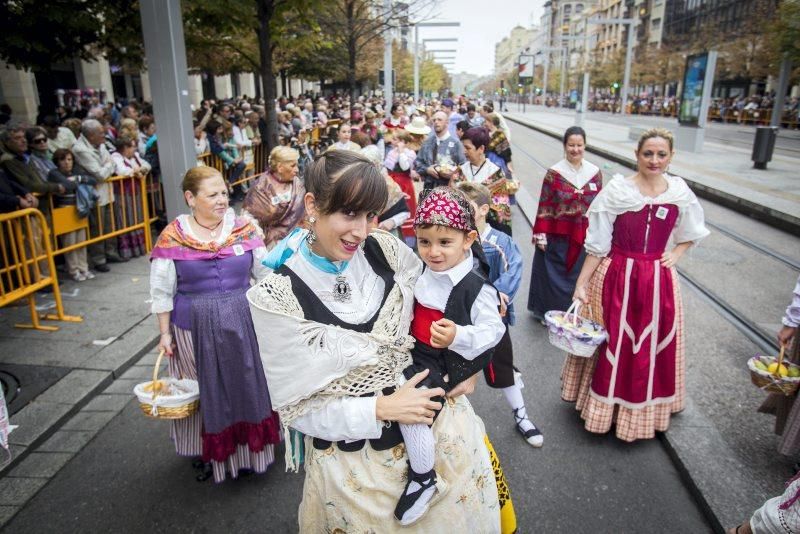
point(332, 322)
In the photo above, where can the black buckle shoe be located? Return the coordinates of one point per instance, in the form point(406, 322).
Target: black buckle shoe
point(407, 500)
point(533, 436)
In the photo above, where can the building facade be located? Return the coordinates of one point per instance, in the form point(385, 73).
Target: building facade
point(507, 51)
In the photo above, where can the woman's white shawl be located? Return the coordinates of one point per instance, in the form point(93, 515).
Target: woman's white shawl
point(307, 364)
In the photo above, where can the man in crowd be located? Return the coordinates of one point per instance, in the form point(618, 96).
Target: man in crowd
point(472, 117)
point(453, 116)
point(92, 157)
point(440, 155)
point(57, 136)
point(17, 163)
point(13, 196)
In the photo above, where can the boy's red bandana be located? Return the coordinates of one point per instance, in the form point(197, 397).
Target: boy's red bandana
point(445, 206)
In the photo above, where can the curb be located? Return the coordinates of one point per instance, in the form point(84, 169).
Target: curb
point(130, 355)
point(765, 214)
point(690, 427)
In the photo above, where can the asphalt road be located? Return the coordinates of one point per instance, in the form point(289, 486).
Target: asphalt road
point(739, 135)
point(128, 480)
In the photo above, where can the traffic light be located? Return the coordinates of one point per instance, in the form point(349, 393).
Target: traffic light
point(615, 85)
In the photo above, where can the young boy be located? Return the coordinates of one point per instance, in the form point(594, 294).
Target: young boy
point(456, 325)
point(505, 273)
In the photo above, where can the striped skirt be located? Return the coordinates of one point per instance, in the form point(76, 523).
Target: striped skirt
point(187, 433)
point(576, 380)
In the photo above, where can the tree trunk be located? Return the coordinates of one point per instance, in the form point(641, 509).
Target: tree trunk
point(352, 52)
point(266, 9)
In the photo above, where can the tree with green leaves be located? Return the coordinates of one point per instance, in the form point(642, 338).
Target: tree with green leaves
point(354, 26)
point(38, 33)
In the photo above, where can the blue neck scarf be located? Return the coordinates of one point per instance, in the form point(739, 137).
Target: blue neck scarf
point(323, 264)
point(296, 240)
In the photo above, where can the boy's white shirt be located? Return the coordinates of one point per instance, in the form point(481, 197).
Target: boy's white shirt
point(432, 291)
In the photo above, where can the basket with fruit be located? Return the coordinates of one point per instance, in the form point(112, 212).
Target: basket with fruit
point(574, 334)
point(168, 398)
point(774, 374)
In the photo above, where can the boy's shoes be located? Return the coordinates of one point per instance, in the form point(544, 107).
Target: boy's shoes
point(421, 492)
point(102, 268)
point(528, 430)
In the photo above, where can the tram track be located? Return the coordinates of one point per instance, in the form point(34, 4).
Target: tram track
point(764, 340)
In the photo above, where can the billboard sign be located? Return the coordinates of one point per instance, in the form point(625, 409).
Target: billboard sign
point(525, 66)
point(694, 85)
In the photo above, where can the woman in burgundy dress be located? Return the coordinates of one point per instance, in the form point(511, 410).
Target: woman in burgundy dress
point(569, 187)
point(201, 267)
point(635, 379)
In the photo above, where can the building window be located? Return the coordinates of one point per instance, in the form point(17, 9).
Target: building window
point(656, 24)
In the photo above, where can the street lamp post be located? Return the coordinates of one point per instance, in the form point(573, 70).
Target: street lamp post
point(387, 60)
point(416, 47)
point(548, 50)
point(631, 23)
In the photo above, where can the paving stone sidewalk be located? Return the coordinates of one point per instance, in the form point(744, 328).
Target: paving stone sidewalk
point(723, 173)
point(43, 461)
point(117, 329)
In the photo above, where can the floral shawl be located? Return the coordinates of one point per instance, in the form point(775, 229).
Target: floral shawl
point(175, 244)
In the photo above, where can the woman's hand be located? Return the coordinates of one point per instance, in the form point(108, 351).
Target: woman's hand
point(409, 405)
point(670, 258)
point(165, 344)
point(580, 294)
point(786, 334)
point(443, 332)
point(464, 388)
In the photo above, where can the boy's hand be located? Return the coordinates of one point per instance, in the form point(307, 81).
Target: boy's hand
point(443, 332)
point(503, 303)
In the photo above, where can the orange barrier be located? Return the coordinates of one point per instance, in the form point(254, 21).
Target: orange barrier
point(138, 214)
point(28, 266)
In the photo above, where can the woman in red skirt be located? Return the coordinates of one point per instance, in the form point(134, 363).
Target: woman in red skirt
point(636, 379)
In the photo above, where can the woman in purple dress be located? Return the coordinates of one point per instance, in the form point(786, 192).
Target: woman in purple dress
point(201, 267)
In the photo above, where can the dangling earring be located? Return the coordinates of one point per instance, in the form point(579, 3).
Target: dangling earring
point(312, 235)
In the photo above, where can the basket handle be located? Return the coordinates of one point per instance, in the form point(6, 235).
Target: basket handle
point(780, 360)
point(574, 308)
point(155, 372)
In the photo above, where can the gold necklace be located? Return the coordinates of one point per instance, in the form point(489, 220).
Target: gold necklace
point(211, 230)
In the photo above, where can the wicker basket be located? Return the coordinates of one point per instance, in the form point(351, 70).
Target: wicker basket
point(574, 334)
point(177, 406)
point(773, 383)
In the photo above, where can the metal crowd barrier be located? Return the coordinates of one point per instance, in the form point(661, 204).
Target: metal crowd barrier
point(135, 207)
point(28, 266)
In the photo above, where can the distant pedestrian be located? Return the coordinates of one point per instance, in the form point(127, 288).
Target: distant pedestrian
point(201, 267)
point(441, 154)
point(636, 379)
point(480, 169)
point(569, 187)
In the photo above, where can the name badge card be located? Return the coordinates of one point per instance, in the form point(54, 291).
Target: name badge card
point(238, 250)
point(662, 212)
